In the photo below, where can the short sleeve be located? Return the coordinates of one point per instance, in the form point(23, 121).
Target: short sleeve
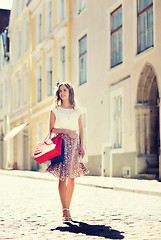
point(53, 109)
point(79, 111)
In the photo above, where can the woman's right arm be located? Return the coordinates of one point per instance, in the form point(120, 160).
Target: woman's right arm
point(70, 133)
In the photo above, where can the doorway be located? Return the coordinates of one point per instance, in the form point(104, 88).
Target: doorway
point(147, 121)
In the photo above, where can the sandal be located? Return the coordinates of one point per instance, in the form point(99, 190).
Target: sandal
point(66, 219)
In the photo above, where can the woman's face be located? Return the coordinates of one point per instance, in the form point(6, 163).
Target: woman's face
point(63, 92)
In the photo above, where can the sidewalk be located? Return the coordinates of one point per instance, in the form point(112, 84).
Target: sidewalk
point(150, 187)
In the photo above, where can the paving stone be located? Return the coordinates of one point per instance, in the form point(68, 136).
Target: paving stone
point(34, 212)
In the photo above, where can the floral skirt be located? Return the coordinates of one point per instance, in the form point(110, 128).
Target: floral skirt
point(70, 167)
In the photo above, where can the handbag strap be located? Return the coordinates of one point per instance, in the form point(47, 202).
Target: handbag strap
point(51, 132)
point(49, 135)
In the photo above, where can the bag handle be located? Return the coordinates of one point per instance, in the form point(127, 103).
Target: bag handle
point(49, 135)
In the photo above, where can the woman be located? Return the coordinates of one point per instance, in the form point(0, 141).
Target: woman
point(65, 119)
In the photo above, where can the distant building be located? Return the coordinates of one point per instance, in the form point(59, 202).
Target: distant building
point(40, 40)
point(4, 82)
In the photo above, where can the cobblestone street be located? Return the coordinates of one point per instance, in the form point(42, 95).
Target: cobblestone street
point(30, 209)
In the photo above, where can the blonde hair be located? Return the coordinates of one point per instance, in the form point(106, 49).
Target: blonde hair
point(58, 100)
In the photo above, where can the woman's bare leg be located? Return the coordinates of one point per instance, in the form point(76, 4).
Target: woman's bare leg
point(69, 192)
point(62, 193)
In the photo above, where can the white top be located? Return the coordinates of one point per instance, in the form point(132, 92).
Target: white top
point(67, 118)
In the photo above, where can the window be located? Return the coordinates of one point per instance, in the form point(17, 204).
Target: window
point(39, 28)
point(116, 37)
point(82, 5)
point(117, 120)
point(26, 36)
point(0, 61)
point(83, 60)
point(17, 8)
point(19, 44)
point(1, 96)
point(50, 16)
point(6, 93)
point(145, 24)
point(39, 132)
point(23, 4)
point(19, 90)
point(12, 93)
point(49, 77)
point(12, 51)
point(26, 86)
point(61, 10)
point(62, 64)
point(39, 84)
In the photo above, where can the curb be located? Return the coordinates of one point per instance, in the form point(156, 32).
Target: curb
point(38, 176)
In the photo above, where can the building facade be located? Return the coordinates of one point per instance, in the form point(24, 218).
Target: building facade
point(110, 51)
point(116, 71)
point(40, 40)
point(51, 61)
point(19, 93)
point(4, 82)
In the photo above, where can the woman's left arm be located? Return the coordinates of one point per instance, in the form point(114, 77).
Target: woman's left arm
point(81, 136)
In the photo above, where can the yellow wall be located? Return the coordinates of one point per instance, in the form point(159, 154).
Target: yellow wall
point(37, 112)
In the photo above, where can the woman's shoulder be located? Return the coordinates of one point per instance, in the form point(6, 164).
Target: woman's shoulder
point(78, 109)
point(53, 108)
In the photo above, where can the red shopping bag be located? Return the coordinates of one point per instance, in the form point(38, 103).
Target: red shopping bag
point(48, 149)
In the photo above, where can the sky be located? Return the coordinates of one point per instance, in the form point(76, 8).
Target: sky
point(6, 4)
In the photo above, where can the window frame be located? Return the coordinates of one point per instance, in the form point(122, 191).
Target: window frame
point(19, 50)
point(139, 13)
point(17, 8)
point(80, 8)
point(1, 95)
point(62, 64)
point(39, 131)
point(61, 9)
point(49, 17)
point(39, 27)
point(113, 94)
point(26, 43)
point(83, 55)
point(114, 32)
point(49, 91)
point(19, 92)
point(117, 118)
point(39, 81)
point(26, 88)
point(22, 4)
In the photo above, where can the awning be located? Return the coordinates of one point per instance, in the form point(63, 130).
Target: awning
point(15, 131)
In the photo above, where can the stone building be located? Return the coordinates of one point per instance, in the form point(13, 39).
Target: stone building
point(4, 81)
point(40, 40)
point(116, 71)
point(110, 51)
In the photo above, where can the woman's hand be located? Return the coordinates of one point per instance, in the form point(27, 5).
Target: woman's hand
point(82, 152)
point(72, 133)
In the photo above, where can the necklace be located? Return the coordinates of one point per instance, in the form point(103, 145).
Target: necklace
point(67, 112)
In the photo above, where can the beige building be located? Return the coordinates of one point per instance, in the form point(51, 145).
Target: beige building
point(110, 51)
point(18, 91)
point(51, 62)
point(40, 40)
point(116, 71)
point(4, 83)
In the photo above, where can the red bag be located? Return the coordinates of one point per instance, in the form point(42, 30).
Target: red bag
point(48, 149)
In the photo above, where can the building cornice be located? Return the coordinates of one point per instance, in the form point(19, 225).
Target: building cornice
point(40, 105)
point(19, 113)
